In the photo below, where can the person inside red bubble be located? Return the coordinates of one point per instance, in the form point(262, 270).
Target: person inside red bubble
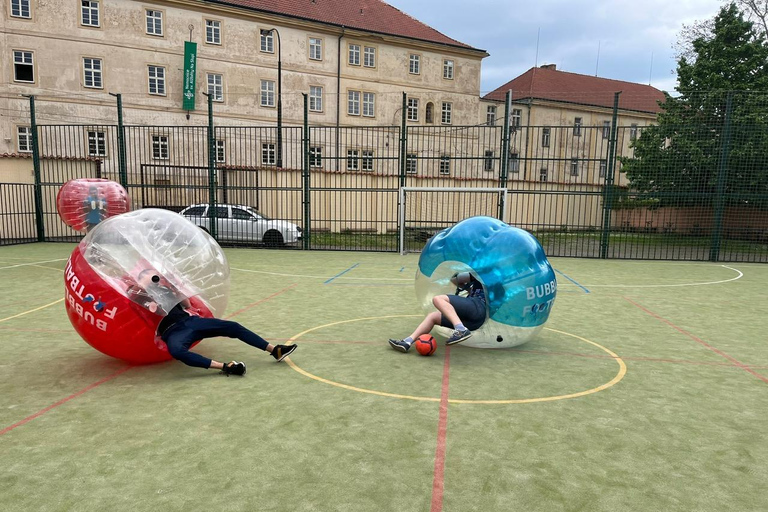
point(179, 329)
point(95, 206)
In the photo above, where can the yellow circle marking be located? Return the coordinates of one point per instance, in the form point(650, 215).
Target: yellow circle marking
point(620, 375)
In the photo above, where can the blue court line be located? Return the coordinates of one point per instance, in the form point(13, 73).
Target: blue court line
point(341, 273)
point(571, 280)
point(402, 268)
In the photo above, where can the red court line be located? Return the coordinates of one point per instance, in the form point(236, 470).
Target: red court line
point(64, 400)
point(695, 338)
point(438, 481)
point(249, 306)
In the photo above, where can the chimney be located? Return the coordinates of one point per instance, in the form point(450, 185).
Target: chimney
point(553, 67)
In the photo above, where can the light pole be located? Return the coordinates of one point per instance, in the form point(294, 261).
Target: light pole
point(279, 98)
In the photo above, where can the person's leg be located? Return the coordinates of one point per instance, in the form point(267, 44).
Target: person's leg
point(444, 306)
point(456, 311)
point(426, 325)
point(178, 341)
point(212, 327)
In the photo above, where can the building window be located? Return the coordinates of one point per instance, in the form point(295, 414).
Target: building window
point(315, 48)
point(154, 22)
point(23, 66)
point(513, 164)
point(160, 147)
point(603, 167)
point(577, 127)
point(212, 31)
point(429, 113)
point(448, 69)
point(267, 41)
point(216, 86)
point(89, 11)
point(490, 115)
point(488, 160)
point(574, 167)
point(413, 109)
point(545, 135)
point(633, 131)
point(24, 134)
point(92, 73)
point(97, 144)
point(315, 98)
point(446, 115)
point(606, 129)
point(316, 156)
point(268, 154)
point(369, 104)
point(267, 93)
point(353, 160)
point(516, 118)
point(543, 175)
point(20, 9)
point(219, 148)
point(157, 80)
point(354, 55)
point(445, 164)
point(367, 160)
point(414, 67)
point(411, 163)
point(369, 57)
point(353, 103)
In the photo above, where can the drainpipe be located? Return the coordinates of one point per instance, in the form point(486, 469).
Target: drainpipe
point(338, 94)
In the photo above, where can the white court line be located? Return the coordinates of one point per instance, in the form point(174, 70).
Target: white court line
point(33, 263)
point(322, 277)
point(666, 285)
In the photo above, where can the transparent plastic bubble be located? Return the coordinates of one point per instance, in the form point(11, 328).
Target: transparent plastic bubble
point(131, 270)
point(85, 202)
point(519, 282)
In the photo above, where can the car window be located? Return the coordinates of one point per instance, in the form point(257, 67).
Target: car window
point(222, 212)
point(240, 214)
point(257, 214)
point(195, 211)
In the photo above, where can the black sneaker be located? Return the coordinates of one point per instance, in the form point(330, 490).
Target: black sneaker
point(280, 352)
point(234, 368)
point(459, 336)
point(401, 345)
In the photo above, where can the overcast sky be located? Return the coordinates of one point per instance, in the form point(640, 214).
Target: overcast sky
point(628, 33)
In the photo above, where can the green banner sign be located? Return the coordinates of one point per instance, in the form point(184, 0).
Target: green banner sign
point(190, 71)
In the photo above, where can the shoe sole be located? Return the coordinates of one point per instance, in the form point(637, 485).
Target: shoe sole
point(464, 338)
point(291, 351)
point(398, 347)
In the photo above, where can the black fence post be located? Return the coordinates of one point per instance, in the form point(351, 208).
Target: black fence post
point(722, 171)
point(403, 163)
point(305, 175)
point(121, 163)
point(211, 168)
point(608, 183)
point(36, 163)
point(504, 167)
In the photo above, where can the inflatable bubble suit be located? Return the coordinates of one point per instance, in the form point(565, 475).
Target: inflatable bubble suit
point(519, 282)
point(130, 270)
point(85, 202)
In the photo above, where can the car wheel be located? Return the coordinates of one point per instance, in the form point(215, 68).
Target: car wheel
point(273, 238)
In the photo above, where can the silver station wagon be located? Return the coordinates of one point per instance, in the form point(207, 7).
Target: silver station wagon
point(237, 223)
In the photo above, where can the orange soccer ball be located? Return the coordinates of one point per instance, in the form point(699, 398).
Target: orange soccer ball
point(426, 345)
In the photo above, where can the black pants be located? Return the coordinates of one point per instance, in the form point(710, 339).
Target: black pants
point(181, 335)
point(471, 312)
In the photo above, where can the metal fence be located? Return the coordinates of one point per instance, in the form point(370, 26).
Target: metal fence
point(697, 191)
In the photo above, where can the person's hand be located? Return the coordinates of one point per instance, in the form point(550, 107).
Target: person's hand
point(152, 306)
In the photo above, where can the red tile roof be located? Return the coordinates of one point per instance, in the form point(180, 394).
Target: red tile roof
point(550, 84)
point(368, 15)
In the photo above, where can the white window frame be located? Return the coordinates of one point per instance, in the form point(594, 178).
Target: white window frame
point(543, 175)
point(268, 153)
point(93, 68)
point(603, 168)
point(353, 54)
point(97, 143)
point(18, 5)
point(24, 139)
point(315, 48)
point(546, 136)
point(369, 56)
point(267, 41)
point(448, 69)
point(316, 157)
point(90, 15)
point(414, 64)
point(158, 79)
point(366, 160)
point(413, 110)
point(215, 83)
point(633, 131)
point(490, 115)
point(513, 163)
point(315, 98)
point(353, 158)
point(488, 160)
point(606, 129)
point(23, 62)
point(160, 143)
point(411, 163)
point(213, 32)
point(369, 104)
point(220, 150)
point(154, 16)
point(446, 113)
point(444, 168)
point(574, 167)
point(516, 118)
point(267, 94)
point(577, 123)
point(353, 103)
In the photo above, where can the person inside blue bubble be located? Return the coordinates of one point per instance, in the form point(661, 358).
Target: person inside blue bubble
point(463, 311)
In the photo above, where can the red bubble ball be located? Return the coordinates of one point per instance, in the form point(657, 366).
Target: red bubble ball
point(84, 202)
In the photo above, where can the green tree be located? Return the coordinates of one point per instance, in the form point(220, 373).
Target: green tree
point(678, 159)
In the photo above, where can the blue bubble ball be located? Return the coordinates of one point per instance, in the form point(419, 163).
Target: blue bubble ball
point(519, 282)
